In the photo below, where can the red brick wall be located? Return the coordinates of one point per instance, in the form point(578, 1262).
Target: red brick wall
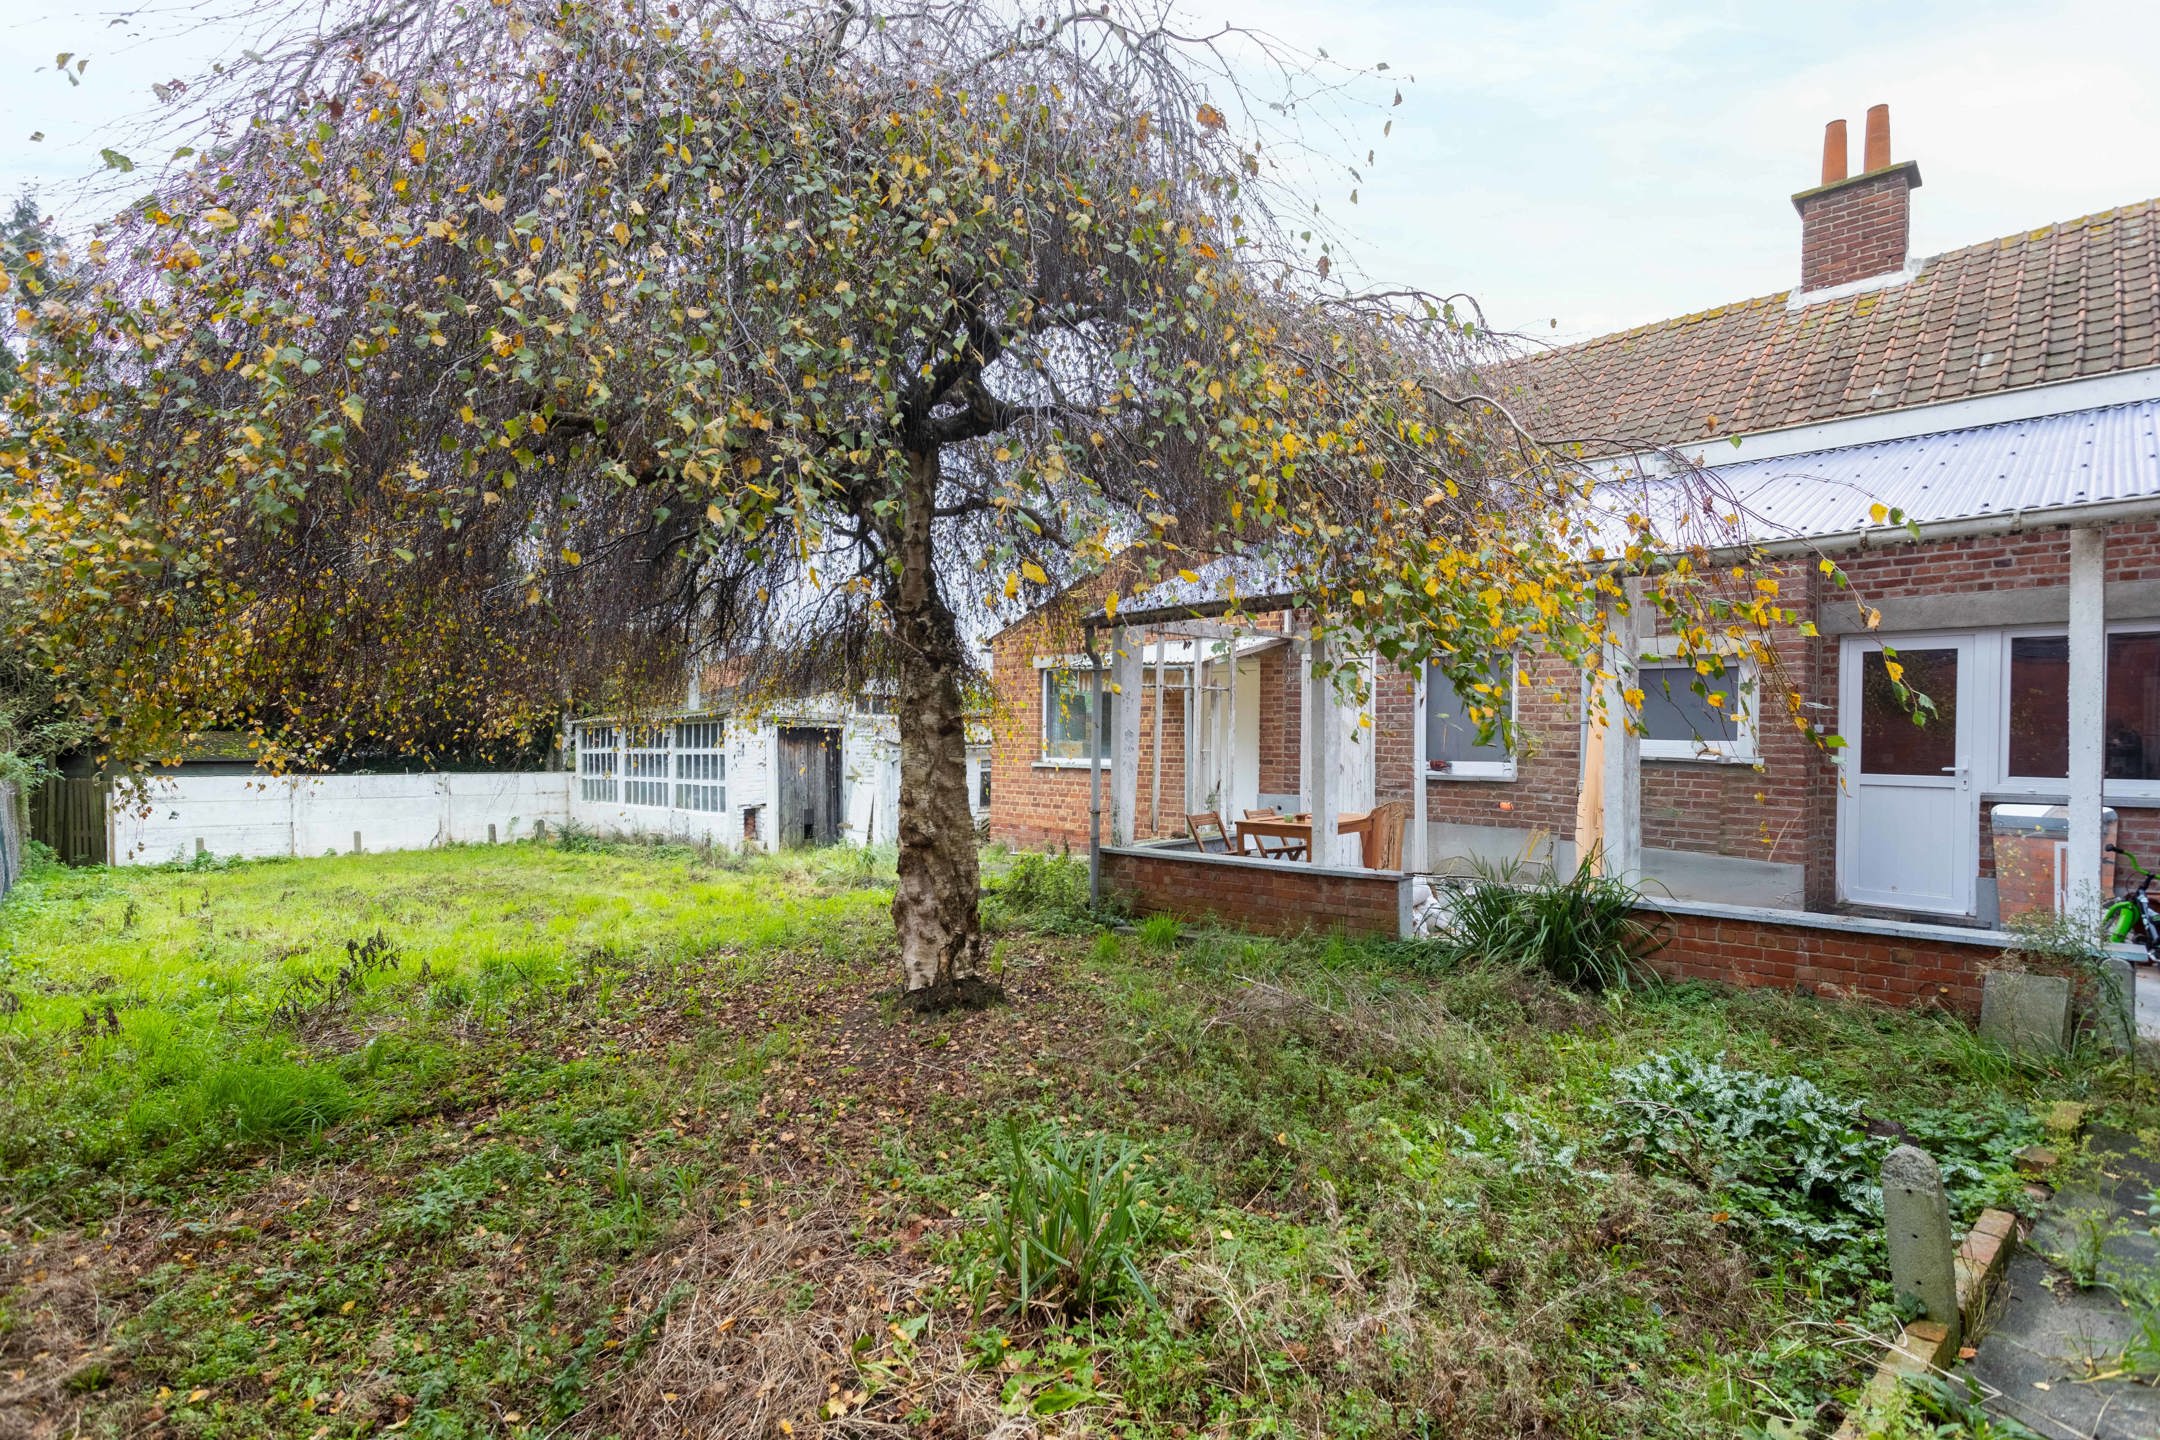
point(1859, 229)
point(1897, 970)
point(1271, 898)
point(1282, 721)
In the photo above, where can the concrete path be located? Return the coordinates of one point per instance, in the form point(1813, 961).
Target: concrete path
point(2049, 1360)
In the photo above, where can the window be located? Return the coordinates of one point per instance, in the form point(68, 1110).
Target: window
point(1066, 697)
point(700, 766)
point(645, 766)
point(1690, 715)
point(2039, 707)
point(982, 784)
point(1462, 731)
point(596, 763)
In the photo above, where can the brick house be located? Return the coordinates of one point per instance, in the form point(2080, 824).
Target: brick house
point(2005, 395)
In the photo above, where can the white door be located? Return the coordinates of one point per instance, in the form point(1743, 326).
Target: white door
point(1909, 811)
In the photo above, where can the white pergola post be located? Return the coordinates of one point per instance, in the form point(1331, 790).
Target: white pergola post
point(1622, 797)
point(1419, 839)
point(1323, 743)
point(1154, 804)
point(1125, 736)
point(1095, 759)
point(2088, 719)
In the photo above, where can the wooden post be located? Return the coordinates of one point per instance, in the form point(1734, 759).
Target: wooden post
point(1125, 685)
point(1223, 796)
point(2088, 719)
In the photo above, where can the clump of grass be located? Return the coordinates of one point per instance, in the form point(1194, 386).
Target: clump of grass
point(1582, 928)
point(1070, 1223)
point(1161, 933)
point(244, 1102)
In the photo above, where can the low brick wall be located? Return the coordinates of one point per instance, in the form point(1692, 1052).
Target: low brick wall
point(1845, 956)
point(1273, 897)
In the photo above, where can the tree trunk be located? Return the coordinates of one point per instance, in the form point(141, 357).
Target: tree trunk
point(934, 909)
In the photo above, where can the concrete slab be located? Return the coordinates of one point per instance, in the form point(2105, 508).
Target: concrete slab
point(2051, 1340)
point(2026, 1012)
point(1455, 848)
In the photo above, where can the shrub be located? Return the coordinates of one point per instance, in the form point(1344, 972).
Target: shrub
point(1071, 1220)
point(1581, 928)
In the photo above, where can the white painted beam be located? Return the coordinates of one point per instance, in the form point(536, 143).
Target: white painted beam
point(1622, 795)
point(2088, 718)
point(1419, 838)
point(1323, 746)
point(1125, 687)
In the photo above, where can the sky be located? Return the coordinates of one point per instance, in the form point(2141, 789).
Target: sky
point(1577, 166)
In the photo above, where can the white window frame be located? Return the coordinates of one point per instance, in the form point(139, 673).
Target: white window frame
point(1996, 644)
point(1476, 769)
point(598, 761)
point(647, 768)
point(1047, 669)
point(700, 768)
point(1744, 683)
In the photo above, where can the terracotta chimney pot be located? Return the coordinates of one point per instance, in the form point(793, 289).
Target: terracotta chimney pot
point(1834, 152)
point(1877, 155)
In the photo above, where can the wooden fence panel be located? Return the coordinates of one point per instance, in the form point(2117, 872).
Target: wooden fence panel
point(69, 815)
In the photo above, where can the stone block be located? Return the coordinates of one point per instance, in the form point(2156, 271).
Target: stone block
point(2024, 1012)
point(1916, 1221)
point(2115, 1004)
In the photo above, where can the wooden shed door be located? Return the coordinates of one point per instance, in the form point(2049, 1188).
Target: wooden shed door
point(809, 786)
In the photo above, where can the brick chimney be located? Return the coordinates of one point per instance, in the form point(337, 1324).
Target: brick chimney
point(1860, 227)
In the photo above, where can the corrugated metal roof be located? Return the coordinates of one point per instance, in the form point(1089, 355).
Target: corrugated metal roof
point(2075, 458)
point(1226, 577)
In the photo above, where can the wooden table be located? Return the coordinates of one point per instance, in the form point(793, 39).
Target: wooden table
point(1298, 830)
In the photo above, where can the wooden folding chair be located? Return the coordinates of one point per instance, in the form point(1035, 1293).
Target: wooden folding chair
point(1209, 834)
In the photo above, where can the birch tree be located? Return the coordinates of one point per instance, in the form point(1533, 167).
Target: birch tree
point(486, 359)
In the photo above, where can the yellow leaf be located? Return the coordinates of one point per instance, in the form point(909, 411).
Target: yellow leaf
point(1034, 572)
point(418, 148)
point(217, 217)
point(1214, 389)
point(1012, 586)
point(1110, 605)
point(352, 405)
point(621, 233)
point(1188, 577)
point(751, 465)
point(571, 557)
point(1878, 513)
point(712, 513)
point(493, 204)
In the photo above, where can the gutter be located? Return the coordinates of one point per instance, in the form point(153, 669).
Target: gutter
point(2013, 522)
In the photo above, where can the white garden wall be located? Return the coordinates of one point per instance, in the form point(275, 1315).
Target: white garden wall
point(255, 816)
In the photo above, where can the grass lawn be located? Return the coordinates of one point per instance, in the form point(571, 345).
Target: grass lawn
point(613, 1141)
